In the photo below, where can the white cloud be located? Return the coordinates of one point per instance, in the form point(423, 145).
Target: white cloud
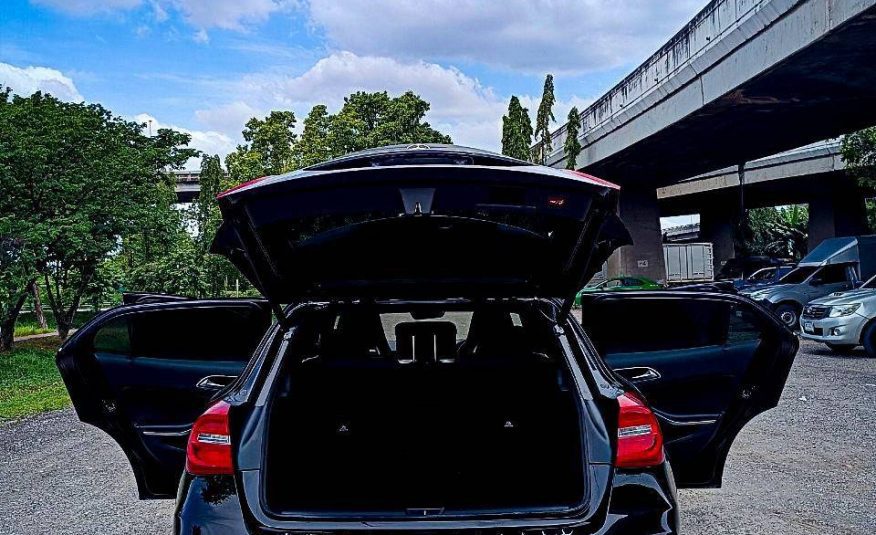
point(201, 36)
point(88, 7)
point(461, 106)
point(228, 117)
point(227, 14)
point(27, 80)
point(529, 35)
point(209, 141)
point(203, 14)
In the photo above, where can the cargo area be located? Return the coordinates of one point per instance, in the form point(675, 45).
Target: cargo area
point(400, 414)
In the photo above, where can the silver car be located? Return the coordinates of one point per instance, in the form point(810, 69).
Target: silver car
point(843, 320)
point(803, 285)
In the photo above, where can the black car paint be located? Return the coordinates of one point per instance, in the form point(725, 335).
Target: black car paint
point(643, 502)
point(619, 501)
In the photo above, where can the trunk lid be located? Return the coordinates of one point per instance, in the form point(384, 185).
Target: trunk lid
point(420, 222)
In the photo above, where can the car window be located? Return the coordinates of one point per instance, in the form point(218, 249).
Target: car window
point(832, 274)
point(798, 275)
point(625, 326)
point(742, 326)
point(762, 275)
point(462, 320)
point(189, 334)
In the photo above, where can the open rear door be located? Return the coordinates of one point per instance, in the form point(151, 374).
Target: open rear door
point(706, 363)
point(143, 373)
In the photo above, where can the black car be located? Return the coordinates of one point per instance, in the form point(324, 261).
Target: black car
point(424, 371)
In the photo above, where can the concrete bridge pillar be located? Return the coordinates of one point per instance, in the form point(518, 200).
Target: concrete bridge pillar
point(639, 211)
point(840, 211)
point(718, 225)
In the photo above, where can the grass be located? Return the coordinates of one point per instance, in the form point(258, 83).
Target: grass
point(29, 380)
point(27, 323)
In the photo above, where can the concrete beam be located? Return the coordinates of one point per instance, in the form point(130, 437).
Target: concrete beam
point(743, 80)
point(639, 211)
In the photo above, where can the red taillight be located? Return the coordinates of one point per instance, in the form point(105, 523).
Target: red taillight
point(209, 449)
point(639, 440)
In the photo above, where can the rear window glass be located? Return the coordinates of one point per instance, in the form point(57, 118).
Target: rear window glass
point(189, 334)
point(656, 325)
point(460, 319)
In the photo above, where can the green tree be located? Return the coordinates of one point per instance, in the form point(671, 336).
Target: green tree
point(543, 119)
point(368, 120)
point(313, 147)
point(516, 131)
point(76, 180)
point(270, 148)
point(218, 272)
point(17, 276)
point(572, 146)
point(859, 154)
point(778, 231)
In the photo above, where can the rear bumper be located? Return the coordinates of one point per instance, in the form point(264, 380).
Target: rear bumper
point(844, 330)
point(642, 502)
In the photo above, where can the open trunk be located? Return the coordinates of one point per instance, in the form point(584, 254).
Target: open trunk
point(426, 422)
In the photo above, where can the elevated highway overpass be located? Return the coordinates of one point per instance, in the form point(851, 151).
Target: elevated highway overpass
point(813, 175)
point(744, 79)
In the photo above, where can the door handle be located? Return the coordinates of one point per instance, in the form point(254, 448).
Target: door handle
point(215, 382)
point(639, 374)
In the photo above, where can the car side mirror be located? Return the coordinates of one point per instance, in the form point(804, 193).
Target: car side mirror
point(858, 284)
point(817, 281)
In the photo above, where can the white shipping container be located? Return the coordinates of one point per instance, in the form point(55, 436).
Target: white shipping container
point(688, 262)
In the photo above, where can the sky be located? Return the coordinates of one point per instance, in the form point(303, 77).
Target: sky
point(206, 66)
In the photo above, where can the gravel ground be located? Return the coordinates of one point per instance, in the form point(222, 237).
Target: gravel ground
point(806, 467)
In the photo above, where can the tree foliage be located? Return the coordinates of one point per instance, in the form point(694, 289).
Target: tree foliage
point(572, 146)
point(88, 207)
point(516, 131)
point(779, 231)
point(75, 180)
point(543, 119)
point(859, 154)
point(366, 120)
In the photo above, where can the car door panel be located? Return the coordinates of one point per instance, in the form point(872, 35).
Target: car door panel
point(709, 380)
point(137, 372)
point(719, 360)
point(162, 391)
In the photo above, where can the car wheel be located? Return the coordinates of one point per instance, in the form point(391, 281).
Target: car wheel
point(868, 340)
point(842, 349)
point(788, 314)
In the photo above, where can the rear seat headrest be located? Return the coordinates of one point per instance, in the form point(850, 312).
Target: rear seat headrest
point(425, 341)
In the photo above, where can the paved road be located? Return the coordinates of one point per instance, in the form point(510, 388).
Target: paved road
point(806, 467)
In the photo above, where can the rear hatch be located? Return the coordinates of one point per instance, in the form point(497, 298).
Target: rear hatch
point(423, 222)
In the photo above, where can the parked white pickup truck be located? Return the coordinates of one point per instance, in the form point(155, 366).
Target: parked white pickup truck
point(843, 320)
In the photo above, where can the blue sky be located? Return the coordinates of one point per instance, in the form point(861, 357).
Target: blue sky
point(205, 66)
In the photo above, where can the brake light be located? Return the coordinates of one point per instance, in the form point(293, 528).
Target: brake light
point(639, 440)
point(209, 448)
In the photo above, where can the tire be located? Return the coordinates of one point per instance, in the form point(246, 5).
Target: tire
point(841, 349)
point(868, 340)
point(789, 314)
